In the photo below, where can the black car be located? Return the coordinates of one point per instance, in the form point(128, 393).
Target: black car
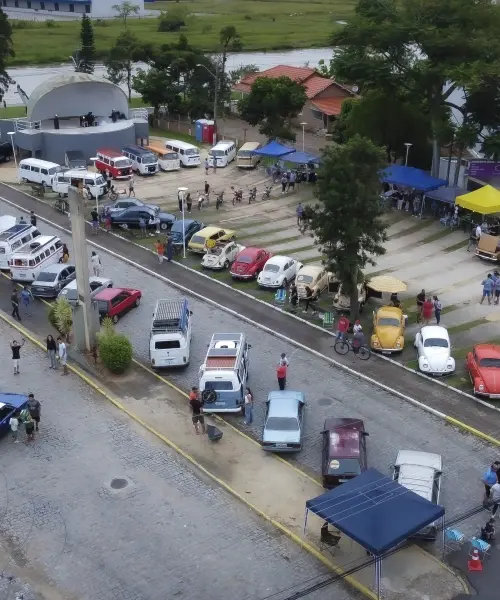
point(124, 203)
point(131, 216)
point(5, 151)
point(190, 228)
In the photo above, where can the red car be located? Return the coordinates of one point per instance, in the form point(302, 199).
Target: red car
point(114, 302)
point(344, 453)
point(249, 263)
point(483, 364)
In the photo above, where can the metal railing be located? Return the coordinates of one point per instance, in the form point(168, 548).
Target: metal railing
point(24, 125)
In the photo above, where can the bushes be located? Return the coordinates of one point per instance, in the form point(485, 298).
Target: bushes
point(115, 349)
point(61, 316)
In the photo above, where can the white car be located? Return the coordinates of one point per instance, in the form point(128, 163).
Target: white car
point(278, 272)
point(97, 284)
point(221, 256)
point(433, 348)
point(420, 472)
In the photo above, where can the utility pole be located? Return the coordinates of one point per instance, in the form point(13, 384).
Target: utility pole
point(216, 94)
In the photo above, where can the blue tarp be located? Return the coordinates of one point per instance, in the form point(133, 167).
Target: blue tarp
point(302, 158)
point(446, 194)
point(274, 149)
point(375, 511)
point(411, 177)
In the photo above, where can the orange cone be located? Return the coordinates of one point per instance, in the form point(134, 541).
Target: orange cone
point(475, 563)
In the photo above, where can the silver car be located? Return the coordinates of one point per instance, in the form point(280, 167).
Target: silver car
point(50, 281)
point(124, 203)
point(97, 284)
point(420, 472)
point(283, 424)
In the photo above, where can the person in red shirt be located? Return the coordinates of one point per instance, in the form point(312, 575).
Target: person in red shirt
point(194, 394)
point(342, 327)
point(281, 373)
point(427, 310)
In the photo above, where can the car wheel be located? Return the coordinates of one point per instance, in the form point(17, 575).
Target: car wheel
point(284, 284)
point(115, 319)
point(163, 226)
point(226, 265)
point(137, 302)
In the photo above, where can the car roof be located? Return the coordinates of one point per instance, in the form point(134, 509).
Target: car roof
point(15, 400)
point(279, 259)
point(206, 231)
point(344, 436)
point(311, 270)
point(249, 251)
point(417, 471)
point(389, 311)
point(110, 293)
point(487, 350)
point(434, 331)
point(187, 223)
point(92, 279)
point(284, 403)
point(56, 268)
point(418, 458)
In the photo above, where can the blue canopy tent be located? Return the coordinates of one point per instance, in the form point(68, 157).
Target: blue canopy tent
point(302, 158)
point(447, 195)
point(412, 178)
point(274, 150)
point(376, 512)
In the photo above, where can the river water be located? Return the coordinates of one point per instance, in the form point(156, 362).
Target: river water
point(30, 77)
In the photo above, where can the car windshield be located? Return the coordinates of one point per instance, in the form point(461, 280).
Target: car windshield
point(245, 259)
point(217, 153)
point(177, 227)
point(388, 322)
point(282, 424)
point(191, 152)
point(244, 153)
point(102, 306)
point(99, 180)
point(149, 158)
point(46, 277)
point(198, 239)
point(436, 343)
point(123, 163)
point(344, 466)
point(70, 293)
point(218, 385)
point(171, 156)
point(272, 268)
point(304, 279)
point(492, 363)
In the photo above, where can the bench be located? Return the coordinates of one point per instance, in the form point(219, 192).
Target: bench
point(38, 190)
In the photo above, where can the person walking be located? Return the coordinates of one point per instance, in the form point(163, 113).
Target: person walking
point(96, 263)
point(26, 297)
point(14, 428)
point(189, 202)
point(29, 424)
point(15, 346)
point(157, 223)
point(65, 254)
point(358, 340)
point(160, 250)
point(131, 186)
point(35, 409)
point(197, 418)
point(309, 298)
point(427, 309)
point(474, 237)
point(299, 211)
point(207, 191)
point(207, 166)
point(487, 284)
point(170, 247)
point(420, 305)
point(94, 215)
point(292, 180)
point(294, 296)
point(107, 222)
point(248, 406)
point(33, 218)
point(284, 183)
point(14, 300)
point(342, 328)
point(142, 227)
point(495, 498)
point(63, 355)
point(489, 478)
point(51, 351)
point(281, 374)
point(497, 289)
point(438, 307)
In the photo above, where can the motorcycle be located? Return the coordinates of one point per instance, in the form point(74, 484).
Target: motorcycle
point(238, 196)
point(220, 200)
point(113, 194)
point(252, 195)
point(266, 194)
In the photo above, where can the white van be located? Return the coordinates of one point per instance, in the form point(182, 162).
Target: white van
point(189, 155)
point(170, 338)
point(13, 239)
point(223, 153)
point(26, 263)
point(35, 170)
point(93, 182)
point(168, 160)
point(143, 161)
point(224, 374)
point(245, 158)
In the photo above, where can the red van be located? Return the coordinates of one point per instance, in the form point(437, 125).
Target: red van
point(114, 162)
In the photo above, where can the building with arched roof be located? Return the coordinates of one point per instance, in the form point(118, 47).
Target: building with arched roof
point(64, 10)
point(76, 111)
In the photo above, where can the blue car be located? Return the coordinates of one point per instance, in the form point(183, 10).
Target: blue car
point(190, 228)
point(10, 404)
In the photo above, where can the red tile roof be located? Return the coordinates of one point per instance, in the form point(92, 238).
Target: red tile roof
point(329, 106)
point(316, 84)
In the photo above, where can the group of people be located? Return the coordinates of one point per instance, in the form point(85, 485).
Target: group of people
point(54, 349)
point(164, 247)
point(427, 306)
point(29, 417)
point(491, 500)
point(491, 288)
point(310, 298)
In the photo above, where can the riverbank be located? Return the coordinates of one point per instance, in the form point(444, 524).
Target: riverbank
point(263, 26)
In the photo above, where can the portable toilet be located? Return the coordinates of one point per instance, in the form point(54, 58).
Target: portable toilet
point(208, 132)
point(198, 129)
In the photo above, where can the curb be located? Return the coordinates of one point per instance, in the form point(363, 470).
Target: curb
point(292, 536)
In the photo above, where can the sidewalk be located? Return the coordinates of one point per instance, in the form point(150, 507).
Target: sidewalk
point(273, 488)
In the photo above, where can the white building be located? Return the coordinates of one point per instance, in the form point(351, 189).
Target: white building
point(42, 10)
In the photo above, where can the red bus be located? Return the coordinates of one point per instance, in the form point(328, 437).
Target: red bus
point(113, 161)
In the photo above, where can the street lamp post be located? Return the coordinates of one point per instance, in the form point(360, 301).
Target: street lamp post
point(303, 136)
point(216, 93)
point(182, 194)
point(408, 146)
point(94, 159)
point(12, 134)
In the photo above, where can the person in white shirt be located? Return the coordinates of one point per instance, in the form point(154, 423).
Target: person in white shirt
point(357, 327)
point(479, 231)
point(283, 361)
point(96, 263)
point(63, 355)
point(14, 426)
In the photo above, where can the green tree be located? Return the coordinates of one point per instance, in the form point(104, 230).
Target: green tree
point(86, 55)
point(242, 71)
point(121, 58)
point(157, 88)
point(425, 48)
point(63, 317)
point(6, 52)
point(346, 221)
point(272, 104)
point(115, 350)
point(125, 9)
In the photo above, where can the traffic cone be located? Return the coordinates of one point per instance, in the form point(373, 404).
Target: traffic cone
point(475, 563)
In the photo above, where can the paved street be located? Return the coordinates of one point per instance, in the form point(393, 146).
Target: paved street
point(66, 533)
point(393, 424)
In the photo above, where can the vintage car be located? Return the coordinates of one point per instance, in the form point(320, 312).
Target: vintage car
point(342, 302)
point(249, 263)
point(344, 451)
point(183, 230)
point(115, 302)
point(208, 237)
point(483, 364)
point(488, 247)
point(221, 256)
point(278, 272)
point(388, 330)
point(10, 404)
point(284, 421)
point(316, 277)
point(433, 349)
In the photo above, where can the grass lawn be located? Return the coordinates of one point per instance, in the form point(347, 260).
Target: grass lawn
point(263, 25)
point(15, 112)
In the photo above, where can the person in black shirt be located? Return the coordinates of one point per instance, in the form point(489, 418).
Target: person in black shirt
point(15, 346)
point(33, 218)
point(94, 215)
point(420, 305)
point(15, 305)
point(197, 418)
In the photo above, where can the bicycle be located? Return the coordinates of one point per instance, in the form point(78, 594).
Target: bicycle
point(343, 346)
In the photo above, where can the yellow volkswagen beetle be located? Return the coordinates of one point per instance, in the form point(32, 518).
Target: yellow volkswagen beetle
point(209, 236)
point(388, 330)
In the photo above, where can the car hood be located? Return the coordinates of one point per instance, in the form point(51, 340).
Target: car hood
point(47, 284)
point(166, 216)
point(387, 336)
point(281, 437)
point(436, 357)
point(491, 379)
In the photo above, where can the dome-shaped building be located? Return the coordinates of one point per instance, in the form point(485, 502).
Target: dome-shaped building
point(77, 112)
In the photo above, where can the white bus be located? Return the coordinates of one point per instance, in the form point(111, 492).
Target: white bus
point(35, 170)
point(26, 263)
point(168, 160)
point(189, 155)
point(13, 239)
point(223, 153)
point(93, 182)
point(246, 157)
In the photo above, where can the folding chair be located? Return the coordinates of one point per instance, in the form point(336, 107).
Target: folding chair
point(280, 297)
point(479, 544)
point(329, 540)
point(454, 539)
point(328, 320)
